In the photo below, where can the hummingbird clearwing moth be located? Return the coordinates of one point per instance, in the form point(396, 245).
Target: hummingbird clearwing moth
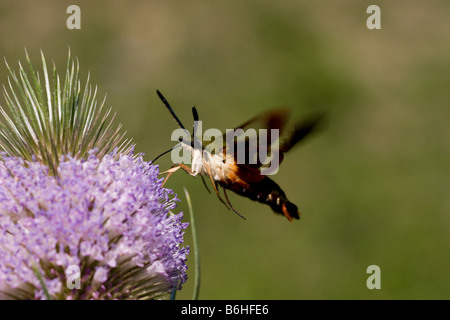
point(238, 164)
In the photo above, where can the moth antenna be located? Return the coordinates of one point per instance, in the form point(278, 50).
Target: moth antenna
point(162, 154)
point(196, 118)
point(195, 113)
point(166, 103)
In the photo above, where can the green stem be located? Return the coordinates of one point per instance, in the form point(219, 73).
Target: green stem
point(41, 280)
point(195, 245)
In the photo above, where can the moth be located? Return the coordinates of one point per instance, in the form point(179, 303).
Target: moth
point(242, 173)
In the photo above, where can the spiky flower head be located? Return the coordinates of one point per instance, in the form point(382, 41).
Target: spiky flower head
point(81, 217)
point(106, 218)
point(47, 119)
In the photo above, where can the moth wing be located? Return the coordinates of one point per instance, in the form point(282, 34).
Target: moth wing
point(300, 131)
point(247, 148)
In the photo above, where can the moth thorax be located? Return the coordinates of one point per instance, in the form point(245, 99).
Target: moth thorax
point(197, 160)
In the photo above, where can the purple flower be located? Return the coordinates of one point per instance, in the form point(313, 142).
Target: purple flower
point(106, 218)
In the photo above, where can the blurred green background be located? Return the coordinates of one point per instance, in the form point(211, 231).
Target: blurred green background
point(373, 188)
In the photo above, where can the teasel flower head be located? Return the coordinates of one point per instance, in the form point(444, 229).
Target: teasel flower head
point(45, 118)
point(80, 218)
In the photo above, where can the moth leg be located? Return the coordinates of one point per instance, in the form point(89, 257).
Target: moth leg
point(187, 169)
point(208, 169)
point(204, 183)
point(231, 206)
point(169, 173)
point(174, 168)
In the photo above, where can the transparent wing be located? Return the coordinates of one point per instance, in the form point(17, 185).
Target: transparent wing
point(263, 139)
point(251, 142)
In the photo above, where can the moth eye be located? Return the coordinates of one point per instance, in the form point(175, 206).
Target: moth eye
point(180, 139)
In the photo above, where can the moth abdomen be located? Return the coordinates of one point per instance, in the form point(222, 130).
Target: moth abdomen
point(268, 192)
